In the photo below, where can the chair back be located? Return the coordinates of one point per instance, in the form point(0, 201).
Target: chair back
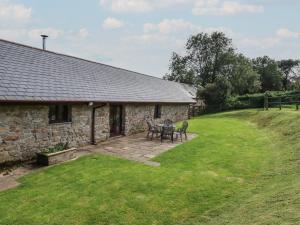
point(185, 125)
point(168, 122)
point(150, 125)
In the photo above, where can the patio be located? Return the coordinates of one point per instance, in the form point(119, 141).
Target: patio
point(135, 147)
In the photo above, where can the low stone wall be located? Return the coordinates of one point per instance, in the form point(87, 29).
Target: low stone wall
point(25, 130)
point(136, 115)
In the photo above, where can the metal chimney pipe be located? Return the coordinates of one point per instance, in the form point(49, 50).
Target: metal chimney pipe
point(44, 41)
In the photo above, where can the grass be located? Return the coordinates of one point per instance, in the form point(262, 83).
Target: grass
point(243, 168)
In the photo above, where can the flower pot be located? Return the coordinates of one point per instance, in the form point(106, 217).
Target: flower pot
point(48, 159)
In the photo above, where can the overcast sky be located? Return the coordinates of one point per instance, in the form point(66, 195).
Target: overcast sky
point(141, 35)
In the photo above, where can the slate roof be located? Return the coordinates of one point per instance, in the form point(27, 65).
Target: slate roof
point(31, 74)
point(191, 90)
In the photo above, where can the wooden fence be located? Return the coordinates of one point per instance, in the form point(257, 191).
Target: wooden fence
point(281, 101)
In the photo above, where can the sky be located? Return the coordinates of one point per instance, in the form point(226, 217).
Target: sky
point(140, 35)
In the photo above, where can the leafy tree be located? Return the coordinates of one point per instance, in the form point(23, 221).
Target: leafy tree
point(296, 84)
point(207, 55)
point(179, 71)
point(217, 92)
point(287, 67)
point(243, 78)
point(270, 74)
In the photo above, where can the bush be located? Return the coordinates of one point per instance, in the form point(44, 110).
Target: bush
point(254, 101)
point(217, 92)
point(57, 148)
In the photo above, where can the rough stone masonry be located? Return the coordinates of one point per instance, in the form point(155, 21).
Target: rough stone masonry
point(25, 129)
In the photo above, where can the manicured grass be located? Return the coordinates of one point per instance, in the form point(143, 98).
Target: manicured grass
point(243, 168)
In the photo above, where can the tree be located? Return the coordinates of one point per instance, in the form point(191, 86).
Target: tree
point(217, 92)
point(243, 78)
point(287, 67)
point(179, 71)
point(270, 74)
point(207, 55)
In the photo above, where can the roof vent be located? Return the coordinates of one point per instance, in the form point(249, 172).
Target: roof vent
point(44, 41)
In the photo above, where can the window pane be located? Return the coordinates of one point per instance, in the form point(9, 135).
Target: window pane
point(52, 113)
point(65, 113)
point(60, 113)
point(157, 111)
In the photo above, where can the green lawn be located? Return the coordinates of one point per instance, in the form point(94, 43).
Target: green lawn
point(243, 168)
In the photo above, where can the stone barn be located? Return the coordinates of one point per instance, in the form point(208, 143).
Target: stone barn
point(48, 98)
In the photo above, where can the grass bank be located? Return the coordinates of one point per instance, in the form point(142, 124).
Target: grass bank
point(243, 168)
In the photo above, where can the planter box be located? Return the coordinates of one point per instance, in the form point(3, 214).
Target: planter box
point(56, 157)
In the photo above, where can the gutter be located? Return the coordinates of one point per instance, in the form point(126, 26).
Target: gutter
point(87, 101)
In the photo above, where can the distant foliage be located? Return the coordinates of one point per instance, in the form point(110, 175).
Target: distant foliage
point(179, 71)
point(257, 100)
point(291, 73)
point(217, 92)
point(243, 78)
point(270, 73)
point(212, 64)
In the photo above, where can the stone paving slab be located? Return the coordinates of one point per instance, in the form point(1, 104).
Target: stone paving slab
point(136, 147)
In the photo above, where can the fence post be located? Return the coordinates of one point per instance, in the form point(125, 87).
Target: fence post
point(280, 103)
point(266, 102)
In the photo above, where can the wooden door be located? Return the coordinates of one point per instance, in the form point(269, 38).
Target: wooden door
point(115, 120)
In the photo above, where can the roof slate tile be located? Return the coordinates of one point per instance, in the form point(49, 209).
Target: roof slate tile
point(28, 73)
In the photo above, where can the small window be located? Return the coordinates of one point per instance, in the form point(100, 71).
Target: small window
point(157, 111)
point(60, 114)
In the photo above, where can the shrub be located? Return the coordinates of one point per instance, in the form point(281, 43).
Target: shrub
point(57, 148)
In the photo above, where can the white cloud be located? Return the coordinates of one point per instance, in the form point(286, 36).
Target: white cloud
point(17, 12)
point(82, 33)
point(221, 8)
point(112, 23)
point(140, 5)
point(51, 32)
point(180, 26)
point(286, 33)
point(12, 34)
point(147, 38)
point(127, 6)
point(171, 32)
point(170, 26)
point(22, 34)
point(200, 7)
point(257, 43)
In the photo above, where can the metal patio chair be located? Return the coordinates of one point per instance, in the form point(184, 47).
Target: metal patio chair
point(152, 129)
point(182, 130)
point(167, 130)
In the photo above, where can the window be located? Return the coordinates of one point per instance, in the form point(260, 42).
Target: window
point(157, 111)
point(60, 113)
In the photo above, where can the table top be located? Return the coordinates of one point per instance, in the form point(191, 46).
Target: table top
point(161, 125)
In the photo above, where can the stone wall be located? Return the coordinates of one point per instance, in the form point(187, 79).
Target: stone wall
point(25, 129)
point(136, 115)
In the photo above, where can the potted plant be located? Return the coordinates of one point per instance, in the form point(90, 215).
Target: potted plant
point(57, 154)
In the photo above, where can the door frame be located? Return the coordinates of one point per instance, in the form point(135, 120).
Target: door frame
point(120, 119)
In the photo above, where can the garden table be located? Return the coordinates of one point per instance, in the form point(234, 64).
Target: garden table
point(167, 131)
point(160, 126)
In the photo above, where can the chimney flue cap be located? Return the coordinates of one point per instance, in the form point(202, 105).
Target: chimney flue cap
point(44, 41)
